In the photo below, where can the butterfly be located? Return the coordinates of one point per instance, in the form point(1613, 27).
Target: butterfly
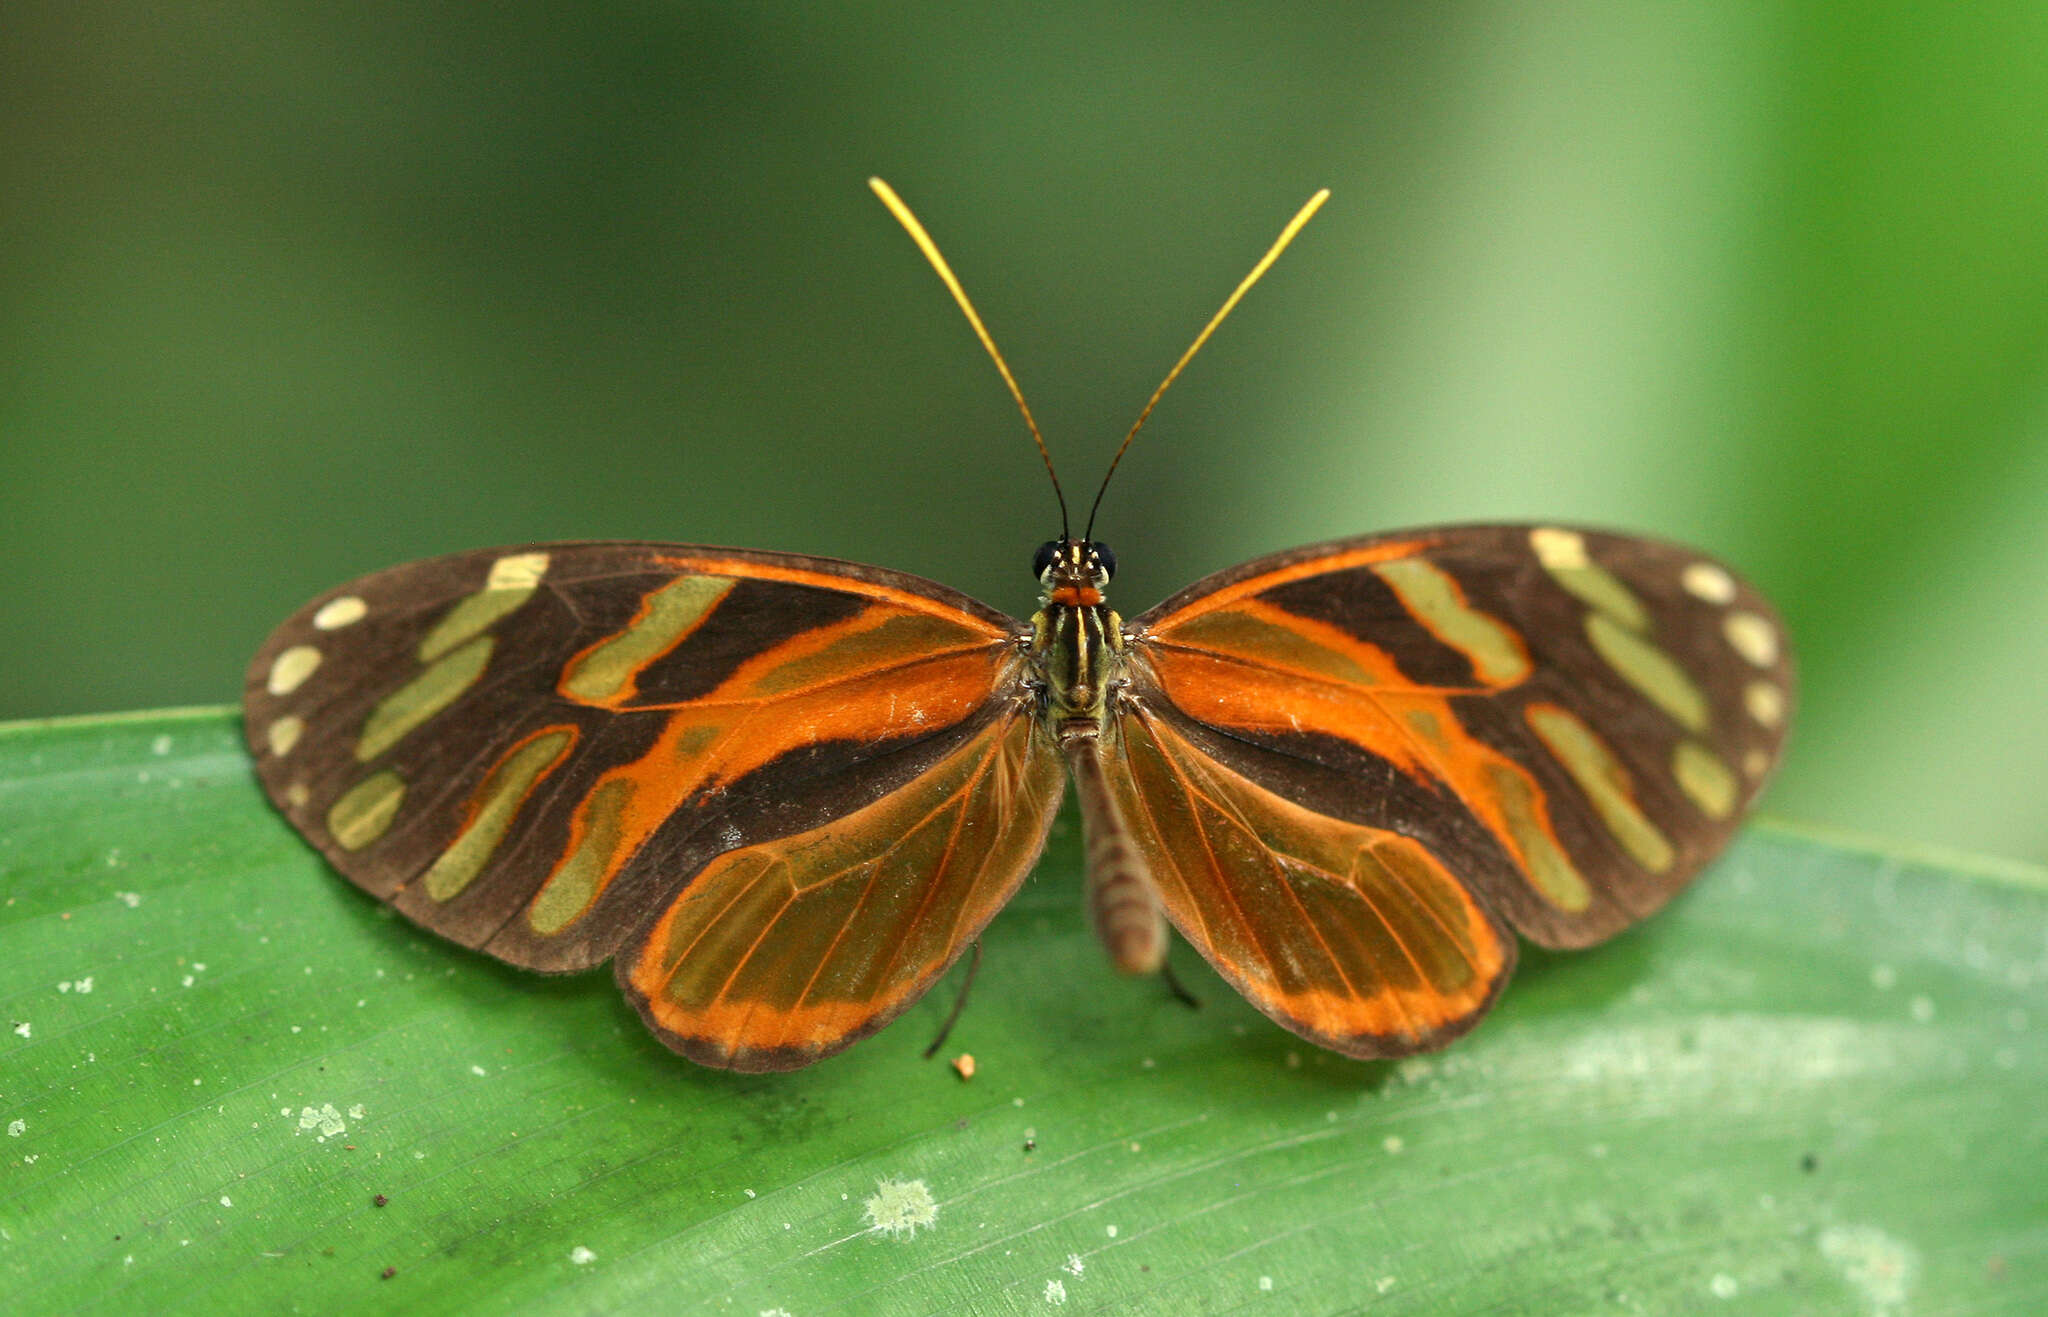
point(783, 794)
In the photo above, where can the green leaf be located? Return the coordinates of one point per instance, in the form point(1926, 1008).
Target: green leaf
point(1812, 1085)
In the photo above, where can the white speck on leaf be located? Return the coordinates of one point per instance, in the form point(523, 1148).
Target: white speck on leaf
point(1883, 977)
point(357, 1112)
point(582, 1256)
point(1922, 1008)
point(477, 1070)
point(1878, 1267)
point(226, 1201)
point(129, 899)
point(1112, 1231)
point(1383, 1284)
point(1074, 1266)
point(1392, 1143)
point(1723, 1285)
point(323, 1118)
point(900, 1208)
point(1055, 1292)
point(22, 1030)
point(160, 746)
point(16, 1128)
point(1266, 1283)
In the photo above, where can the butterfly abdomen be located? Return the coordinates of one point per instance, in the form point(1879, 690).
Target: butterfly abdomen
point(1123, 904)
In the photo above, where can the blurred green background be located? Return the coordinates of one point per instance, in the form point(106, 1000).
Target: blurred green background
point(290, 293)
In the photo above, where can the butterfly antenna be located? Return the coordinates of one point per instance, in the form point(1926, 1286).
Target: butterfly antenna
point(1294, 226)
point(931, 253)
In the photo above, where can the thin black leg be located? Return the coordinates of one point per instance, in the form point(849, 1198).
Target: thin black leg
point(959, 1004)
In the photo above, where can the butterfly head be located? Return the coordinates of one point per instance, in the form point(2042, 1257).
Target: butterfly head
point(1073, 572)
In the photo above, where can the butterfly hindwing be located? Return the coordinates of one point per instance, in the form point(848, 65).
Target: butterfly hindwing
point(533, 750)
point(1566, 723)
point(781, 952)
point(1352, 935)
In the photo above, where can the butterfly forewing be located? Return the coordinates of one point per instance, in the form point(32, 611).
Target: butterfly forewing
point(1566, 723)
point(534, 750)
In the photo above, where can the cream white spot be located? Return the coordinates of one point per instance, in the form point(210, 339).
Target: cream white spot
point(582, 1256)
point(1055, 1292)
point(1755, 762)
point(517, 571)
point(289, 670)
point(296, 795)
point(340, 612)
point(1556, 548)
point(285, 733)
point(1753, 637)
point(1705, 580)
point(1765, 702)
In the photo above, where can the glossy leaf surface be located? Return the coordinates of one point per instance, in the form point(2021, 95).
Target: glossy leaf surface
point(1810, 1085)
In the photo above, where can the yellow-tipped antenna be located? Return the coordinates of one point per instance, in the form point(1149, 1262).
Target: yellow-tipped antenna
point(1294, 226)
point(931, 253)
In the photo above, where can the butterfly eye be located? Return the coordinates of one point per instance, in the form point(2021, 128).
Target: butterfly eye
point(1048, 554)
point(1105, 559)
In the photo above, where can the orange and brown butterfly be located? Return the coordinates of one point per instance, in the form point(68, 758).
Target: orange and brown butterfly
point(783, 794)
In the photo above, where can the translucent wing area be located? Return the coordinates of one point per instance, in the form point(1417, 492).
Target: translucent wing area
point(534, 750)
point(784, 951)
point(1563, 723)
point(1356, 937)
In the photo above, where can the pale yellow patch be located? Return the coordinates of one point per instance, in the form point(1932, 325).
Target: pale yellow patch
point(670, 613)
point(1755, 762)
point(1550, 870)
point(421, 698)
point(344, 611)
point(1752, 636)
point(296, 795)
point(289, 670)
point(1765, 702)
point(571, 888)
point(365, 810)
point(1558, 549)
point(1495, 652)
point(1704, 778)
point(517, 571)
point(1425, 724)
point(511, 582)
point(1606, 783)
point(504, 792)
point(1707, 581)
point(284, 734)
point(1650, 670)
point(1563, 555)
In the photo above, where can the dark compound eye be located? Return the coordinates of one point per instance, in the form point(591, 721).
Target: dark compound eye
point(1105, 557)
point(1048, 554)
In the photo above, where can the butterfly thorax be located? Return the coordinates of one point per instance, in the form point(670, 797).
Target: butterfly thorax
point(1077, 645)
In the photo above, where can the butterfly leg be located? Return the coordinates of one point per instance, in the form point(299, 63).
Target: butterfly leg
point(959, 1002)
point(1177, 988)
